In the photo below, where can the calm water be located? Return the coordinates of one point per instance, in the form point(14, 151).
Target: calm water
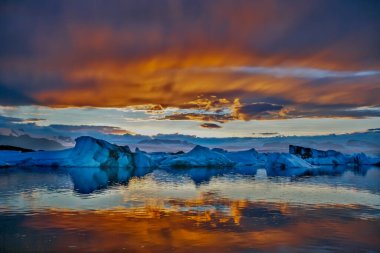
point(197, 210)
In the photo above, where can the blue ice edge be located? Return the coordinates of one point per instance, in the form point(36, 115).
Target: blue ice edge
point(94, 164)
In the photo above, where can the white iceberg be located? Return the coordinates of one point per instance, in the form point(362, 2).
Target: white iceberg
point(331, 157)
point(88, 152)
point(143, 162)
point(142, 159)
point(248, 157)
point(319, 157)
point(93, 152)
point(39, 158)
point(287, 165)
point(198, 157)
point(362, 159)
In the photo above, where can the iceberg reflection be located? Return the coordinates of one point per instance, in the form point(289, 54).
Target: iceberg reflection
point(188, 210)
point(87, 180)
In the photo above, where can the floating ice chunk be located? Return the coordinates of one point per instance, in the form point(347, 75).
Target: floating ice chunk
point(319, 157)
point(142, 159)
point(287, 164)
point(88, 152)
point(242, 158)
point(363, 159)
point(198, 157)
point(93, 152)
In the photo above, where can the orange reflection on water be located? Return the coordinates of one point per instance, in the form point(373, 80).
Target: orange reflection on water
point(205, 225)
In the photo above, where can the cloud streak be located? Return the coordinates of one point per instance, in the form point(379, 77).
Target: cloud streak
point(86, 128)
point(296, 72)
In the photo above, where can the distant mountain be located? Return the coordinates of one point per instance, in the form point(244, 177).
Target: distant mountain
point(163, 141)
point(14, 148)
point(358, 143)
point(27, 142)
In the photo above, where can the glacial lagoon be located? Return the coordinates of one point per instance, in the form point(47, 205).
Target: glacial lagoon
point(189, 210)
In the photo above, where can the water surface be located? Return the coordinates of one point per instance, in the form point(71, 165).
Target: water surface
point(195, 210)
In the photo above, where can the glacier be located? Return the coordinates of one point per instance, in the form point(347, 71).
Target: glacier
point(93, 158)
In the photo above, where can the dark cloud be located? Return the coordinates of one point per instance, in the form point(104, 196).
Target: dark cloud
point(311, 110)
point(294, 28)
point(266, 111)
point(333, 27)
point(6, 120)
point(33, 120)
point(257, 111)
point(12, 120)
point(210, 125)
point(221, 118)
point(267, 133)
point(12, 97)
point(258, 108)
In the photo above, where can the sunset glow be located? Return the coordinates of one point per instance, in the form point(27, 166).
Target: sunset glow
point(306, 61)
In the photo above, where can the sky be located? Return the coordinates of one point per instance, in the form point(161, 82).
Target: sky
point(200, 67)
